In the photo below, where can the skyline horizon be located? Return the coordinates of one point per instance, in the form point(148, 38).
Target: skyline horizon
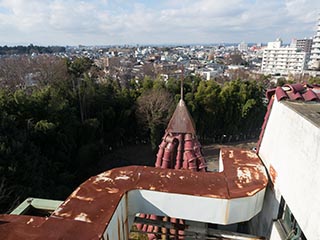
point(146, 44)
point(143, 22)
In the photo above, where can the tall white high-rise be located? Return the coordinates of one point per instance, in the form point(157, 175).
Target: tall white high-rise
point(284, 60)
point(243, 47)
point(315, 50)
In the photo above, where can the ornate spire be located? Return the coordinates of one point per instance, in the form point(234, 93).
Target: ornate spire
point(181, 120)
point(180, 147)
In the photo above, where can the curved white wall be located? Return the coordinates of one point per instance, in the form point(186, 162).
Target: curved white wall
point(188, 207)
point(291, 144)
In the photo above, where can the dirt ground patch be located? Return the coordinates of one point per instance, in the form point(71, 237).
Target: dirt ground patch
point(129, 155)
point(211, 152)
point(143, 155)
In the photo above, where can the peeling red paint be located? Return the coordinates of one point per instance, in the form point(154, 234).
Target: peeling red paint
point(64, 223)
point(243, 171)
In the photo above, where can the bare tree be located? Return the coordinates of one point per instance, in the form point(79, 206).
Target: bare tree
point(24, 71)
point(153, 110)
point(13, 71)
point(48, 69)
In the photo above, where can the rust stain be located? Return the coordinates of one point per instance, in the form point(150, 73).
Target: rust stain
point(250, 154)
point(244, 171)
point(181, 120)
point(243, 175)
point(273, 174)
point(112, 190)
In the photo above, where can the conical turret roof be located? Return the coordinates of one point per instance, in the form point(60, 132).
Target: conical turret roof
point(180, 148)
point(181, 120)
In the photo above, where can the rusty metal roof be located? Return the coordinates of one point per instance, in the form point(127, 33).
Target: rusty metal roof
point(181, 120)
point(86, 213)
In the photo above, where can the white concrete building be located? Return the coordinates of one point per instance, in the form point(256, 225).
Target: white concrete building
point(208, 73)
point(243, 47)
point(289, 149)
point(315, 50)
point(278, 59)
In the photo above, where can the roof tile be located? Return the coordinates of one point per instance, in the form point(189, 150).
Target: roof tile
point(295, 92)
point(310, 95)
point(280, 93)
point(294, 95)
point(296, 87)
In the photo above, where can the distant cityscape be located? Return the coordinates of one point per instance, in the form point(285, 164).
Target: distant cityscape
point(296, 60)
point(91, 146)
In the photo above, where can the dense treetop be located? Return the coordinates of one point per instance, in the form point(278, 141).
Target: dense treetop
point(59, 118)
point(19, 50)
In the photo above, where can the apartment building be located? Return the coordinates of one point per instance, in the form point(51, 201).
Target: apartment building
point(283, 60)
point(243, 47)
point(304, 44)
point(314, 63)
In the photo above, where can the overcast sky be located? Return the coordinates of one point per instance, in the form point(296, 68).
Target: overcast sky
point(103, 22)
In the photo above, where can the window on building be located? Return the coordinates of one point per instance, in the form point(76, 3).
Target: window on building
point(288, 222)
